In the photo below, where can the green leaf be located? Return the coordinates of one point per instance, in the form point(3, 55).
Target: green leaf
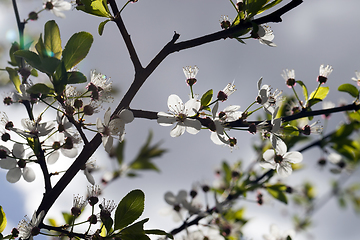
point(135, 231)
point(206, 98)
point(47, 65)
point(305, 91)
point(40, 48)
point(145, 155)
point(312, 102)
point(129, 209)
point(60, 78)
point(270, 5)
point(350, 89)
point(30, 57)
point(76, 49)
point(14, 77)
point(40, 88)
point(68, 218)
point(254, 7)
point(3, 220)
point(108, 222)
point(291, 130)
point(95, 7)
point(75, 77)
point(15, 60)
point(321, 93)
point(102, 25)
point(277, 191)
point(159, 232)
point(52, 39)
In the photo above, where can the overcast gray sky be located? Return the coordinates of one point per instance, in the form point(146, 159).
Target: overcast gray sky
point(317, 32)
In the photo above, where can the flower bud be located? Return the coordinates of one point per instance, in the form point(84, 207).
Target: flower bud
point(290, 82)
point(49, 5)
point(78, 103)
point(193, 193)
point(252, 128)
point(5, 137)
point(8, 101)
point(88, 110)
point(33, 16)
point(14, 232)
point(92, 219)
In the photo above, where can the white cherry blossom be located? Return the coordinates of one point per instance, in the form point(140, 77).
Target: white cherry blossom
point(280, 159)
point(27, 228)
point(16, 168)
point(276, 234)
point(57, 6)
point(113, 127)
point(180, 113)
point(265, 36)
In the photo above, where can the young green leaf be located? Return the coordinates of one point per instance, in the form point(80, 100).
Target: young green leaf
point(76, 49)
point(321, 93)
point(102, 25)
point(95, 7)
point(40, 88)
point(3, 220)
point(52, 40)
point(290, 130)
point(15, 60)
point(305, 91)
point(350, 89)
point(129, 209)
point(206, 98)
point(14, 77)
point(40, 48)
point(75, 77)
point(277, 191)
point(135, 231)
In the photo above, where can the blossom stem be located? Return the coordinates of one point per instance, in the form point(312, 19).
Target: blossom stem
point(297, 97)
point(124, 6)
point(249, 106)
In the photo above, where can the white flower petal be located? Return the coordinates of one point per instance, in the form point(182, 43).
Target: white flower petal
point(193, 126)
point(53, 157)
point(281, 148)
point(165, 119)
point(8, 163)
point(126, 115)
point(178, 130)
point(170, 198)
point(293, 157)
point(18, 150)
point(175, 103)
point(284, 169)
point(89, 177)
point(99, 126)
point(191, 107)
point(28, 174)
point(269, 155)
point(70, 153)
point(13, 175)
point(107, 116)
point(108, 143)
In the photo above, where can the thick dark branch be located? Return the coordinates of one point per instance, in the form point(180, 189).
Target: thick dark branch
point(273, 17)
point(119, 22)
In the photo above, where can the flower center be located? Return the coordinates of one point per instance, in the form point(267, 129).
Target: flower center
point(278, 158)
point(181, 117)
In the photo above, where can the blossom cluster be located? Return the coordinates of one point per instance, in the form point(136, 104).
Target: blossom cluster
point(47, 140)
point(196, 114)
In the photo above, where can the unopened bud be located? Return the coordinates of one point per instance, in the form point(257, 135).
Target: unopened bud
point(33, 16)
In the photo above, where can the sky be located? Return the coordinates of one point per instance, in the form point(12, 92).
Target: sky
point(317, 32)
